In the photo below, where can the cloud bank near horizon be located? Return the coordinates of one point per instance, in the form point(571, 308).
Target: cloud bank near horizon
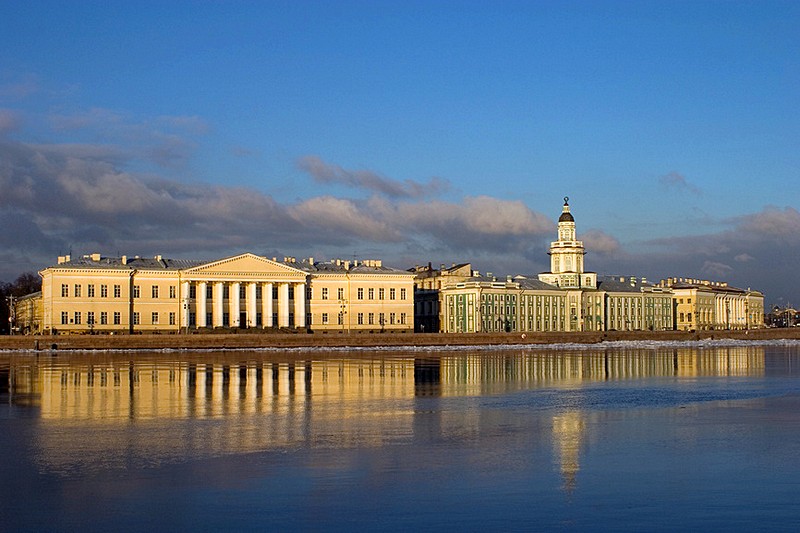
point(83, 196)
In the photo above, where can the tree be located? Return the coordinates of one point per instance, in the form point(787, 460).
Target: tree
point(26, 283)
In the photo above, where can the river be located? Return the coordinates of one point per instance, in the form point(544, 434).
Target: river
point(621, 436)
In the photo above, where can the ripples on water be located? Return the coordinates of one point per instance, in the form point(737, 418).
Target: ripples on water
point(516, 438)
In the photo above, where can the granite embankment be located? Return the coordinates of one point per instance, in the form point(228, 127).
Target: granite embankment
point(334, 340)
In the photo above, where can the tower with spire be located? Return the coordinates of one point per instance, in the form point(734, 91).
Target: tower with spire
point(566, 257)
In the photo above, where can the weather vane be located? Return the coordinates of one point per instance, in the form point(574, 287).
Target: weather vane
point(566, 199)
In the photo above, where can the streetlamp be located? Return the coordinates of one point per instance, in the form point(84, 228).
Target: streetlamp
point(186, 306)
point(12, 311)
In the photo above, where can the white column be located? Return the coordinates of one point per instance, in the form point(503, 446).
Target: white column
point(283, 305)
point(217, 310)
point(200, 296)
point(266, 305)
point(234, 304)
point(185, 304)
point(251, 305)
point(300, 305)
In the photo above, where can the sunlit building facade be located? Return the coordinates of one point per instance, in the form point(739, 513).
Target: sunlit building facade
point(99, 294)
point(708, 305)
point(568, 298)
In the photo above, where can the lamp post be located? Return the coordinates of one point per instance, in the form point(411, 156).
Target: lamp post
point(186, 302)
point(10, 299)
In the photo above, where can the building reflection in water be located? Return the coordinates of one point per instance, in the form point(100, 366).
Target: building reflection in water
point(250, 402)
point(568, 436)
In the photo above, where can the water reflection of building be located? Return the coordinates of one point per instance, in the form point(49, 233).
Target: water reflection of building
point(484, 373)
point(170, 406)
point(116, 388)
point(568, 435)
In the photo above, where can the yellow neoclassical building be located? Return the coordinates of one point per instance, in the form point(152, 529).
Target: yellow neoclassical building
point(569, 298)
point(124, 294)
point(708, 305)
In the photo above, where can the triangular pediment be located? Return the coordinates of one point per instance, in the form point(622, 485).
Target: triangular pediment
point(246, 265)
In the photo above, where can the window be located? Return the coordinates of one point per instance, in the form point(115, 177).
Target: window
point(402, 317)
point(341, 318)
point(155, 291)
point(64, 290)
point(391, 318)
point(242, 291)
point(103, 317)
point(117, 318)
point(381, 319)
point(324, 316)
point(77, 317)
point(103, 291)
point(209, 291)
point(402, 294)
point(136, 291)
point(155, 317)
point(64, 317)
point(688, 300)
point(360, 319)
point(688, 317)
point(340, 294)
point(77, 291)
point(172, 319)
point(360, 294)
point(324, 297)
point(381, 293)
point(90, 291)
point(117, 291)
point(392, 294)
point(135, 318)
point(90, 317)
point(308, 294)
point(371, 294)
point(371, 318)
point(173, 292)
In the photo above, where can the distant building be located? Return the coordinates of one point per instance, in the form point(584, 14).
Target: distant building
point(569, 298)
point(95, 294)
point(428, 283)
point(27, 314)
point(708, 305)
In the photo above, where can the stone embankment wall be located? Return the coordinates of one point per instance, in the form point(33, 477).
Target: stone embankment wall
point(251, 340)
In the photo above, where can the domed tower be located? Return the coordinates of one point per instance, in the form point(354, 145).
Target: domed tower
point(566, 256)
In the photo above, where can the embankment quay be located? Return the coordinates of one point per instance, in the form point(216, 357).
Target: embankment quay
point(339, 340)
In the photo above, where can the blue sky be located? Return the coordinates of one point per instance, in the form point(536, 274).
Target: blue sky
point(411, 131)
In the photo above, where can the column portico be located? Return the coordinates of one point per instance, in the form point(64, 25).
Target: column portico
point(234, 305)
point(200, 297)
point(300, 305)
point(217, 310)
point(283, 305)
point(266, 305)
point(250, 305)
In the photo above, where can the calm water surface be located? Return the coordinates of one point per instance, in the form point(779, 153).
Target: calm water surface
point(624, 438)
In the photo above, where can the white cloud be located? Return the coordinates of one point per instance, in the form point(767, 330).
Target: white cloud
point(323, 172)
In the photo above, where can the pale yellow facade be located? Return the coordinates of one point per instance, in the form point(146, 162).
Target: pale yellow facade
point(95, 294)
point(711, 305)
point(26, 316)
